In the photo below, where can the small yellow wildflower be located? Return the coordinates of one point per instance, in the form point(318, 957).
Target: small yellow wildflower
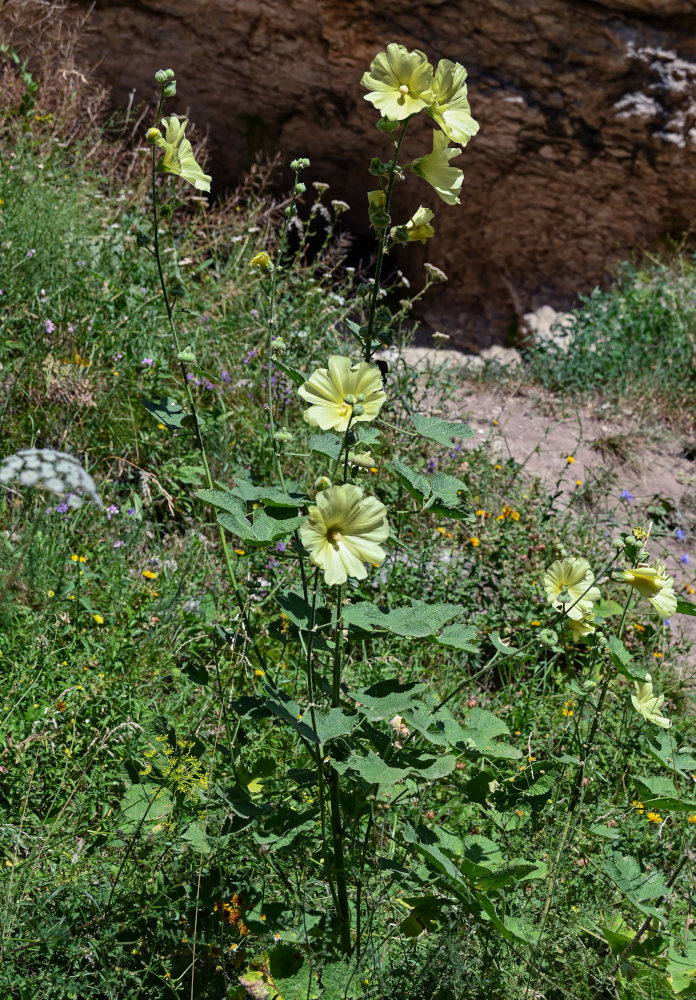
point(474, 541)
point(444, 532)
point(262, 262)
point(240, 552)
point(568, 709)
point(483, 513)
point(638, 806)
point(161, 427)
point(98, 619)
point(570, 460)
point(149, 574)
point(654, 817)
point(260, 673)
point(76, 558)
point(692, 819)
point(535, 622)
point(50, 593)
point(658, 656)
point(578, 482)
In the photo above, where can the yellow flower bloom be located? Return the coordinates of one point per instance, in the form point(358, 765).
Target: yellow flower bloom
point(262, 262)
point(178, 155)
point(343, 393)
point(149, 574)
point(399, 82)
point(580, 627)
point(343, 532)
point(450, 107)
point(648, 704)
point(435, 169)
point(653, 584)
point(568, 586)
point(418, 226)
point(98, 619)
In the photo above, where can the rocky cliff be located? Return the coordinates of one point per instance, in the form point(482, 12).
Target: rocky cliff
point(587, 108)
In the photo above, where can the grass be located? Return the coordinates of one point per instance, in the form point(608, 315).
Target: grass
point(168, 828)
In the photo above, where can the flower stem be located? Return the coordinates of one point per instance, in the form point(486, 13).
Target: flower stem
point(335, 789)
point(381, 246)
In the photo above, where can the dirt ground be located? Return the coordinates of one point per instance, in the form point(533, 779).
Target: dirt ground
point(610, 456)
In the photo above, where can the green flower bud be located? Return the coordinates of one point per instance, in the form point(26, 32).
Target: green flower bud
point(387, 125)
point(162, 75)
point(400, 234)
point(283, 435)
point(547, 637)
point(169, 89)
point(322, 483)
point(278, 344)
point(300, 187)
point(349, 399)
point(152, 135)
point(301, 163)
point(358, 410)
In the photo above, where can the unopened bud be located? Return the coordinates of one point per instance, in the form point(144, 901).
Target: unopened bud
point(349, 399)
point(283, 435)
point(322, 483)
point(169, 89)
point(358, 410)
point(301, 163)
point(152, 135)
point(278, 344)
point(300, 187)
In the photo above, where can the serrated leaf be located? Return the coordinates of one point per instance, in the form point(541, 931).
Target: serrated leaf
point(445, 432)
point(449, 496)
point(685, 607)
point(166, 411)
point(458, 637)
point(388, 698)
point(415, 482)
point(340, 980)
point(326, 444)
point(223, 500)
point(659, 792)
point(300, 612)
point(661, 746)
point(371, 769)
point(623, 660)
point(334, 723)
point(145, 804)
point(270, 495)
point(298, 377)
point(600, 830)
point(681, 969)
point(637, 886)
point(417, 620)
point(504, 647)
point(604, 608)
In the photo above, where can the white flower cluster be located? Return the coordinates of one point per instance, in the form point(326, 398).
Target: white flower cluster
point(53, 470)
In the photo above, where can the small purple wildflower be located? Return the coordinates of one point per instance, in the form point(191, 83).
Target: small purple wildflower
point(431, 465)
point(116, 357)
point(685, 559)
point(71, 328)
point(147, 361)
point(189, 376)
point(50, 327)
point(272, 563)
point(110, 511)
point(30, 253)
point(2, 291)
point(62, 508)
point(225, 375)
point(626, 495)
point(118, 543)
point(281, 546)
point(81, 263)
point(43, 295)
point(680, 534)
point(131, 512)
point(254, 313)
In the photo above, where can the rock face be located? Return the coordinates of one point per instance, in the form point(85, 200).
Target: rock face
point(587, 109)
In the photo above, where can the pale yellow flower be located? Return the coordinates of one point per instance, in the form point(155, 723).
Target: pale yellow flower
point(583, 626)
point(435, 169)
point(399, 82)
point(262, 261)
point(343, 532)
point(343, 393)
point(450, 107)
point(418, 226)
point(178, 155)
point(653, 584)
point(648, 704)
point(568, 586)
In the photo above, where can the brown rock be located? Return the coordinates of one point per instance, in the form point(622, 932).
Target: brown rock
point(587, 145)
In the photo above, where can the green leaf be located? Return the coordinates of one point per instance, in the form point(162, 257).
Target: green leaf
point(300, 612)
point(326, 444)
point(449, 496)
point(388, 698)
point(606, 609)
point(270, 495)
point(298, 377)
point(600, 830)
point(623, 661)
point(459, 637)
point(685, 607)
point(445, 432)
point(417, 620)
point(340, 980)
point(481, 729)
point(681, 972)
point(637, 886)
point(504, 647)
point(661, 747)
point(223, 500)
point(660, 793)
point(272, 523)
point(370, 768)
point(166, 411)
point(146, 804)
point(415, 482)
point(334, 723)
point(196, 672)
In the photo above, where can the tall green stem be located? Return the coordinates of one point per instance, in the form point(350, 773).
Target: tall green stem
point(335, 788)
point(381, 247)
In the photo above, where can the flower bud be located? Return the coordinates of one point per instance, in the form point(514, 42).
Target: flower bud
point(358, 410)
point(152, 135)
point(300, 188)
point(349, 399)
point(363, 459)
point(283, 435)
point(322, 483)
point(169, 89)
point(301, 163)
point(262, 262)
point(278, 344)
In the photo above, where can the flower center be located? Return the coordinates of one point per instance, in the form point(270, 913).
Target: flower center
point(403, 89)
point(334, 536)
